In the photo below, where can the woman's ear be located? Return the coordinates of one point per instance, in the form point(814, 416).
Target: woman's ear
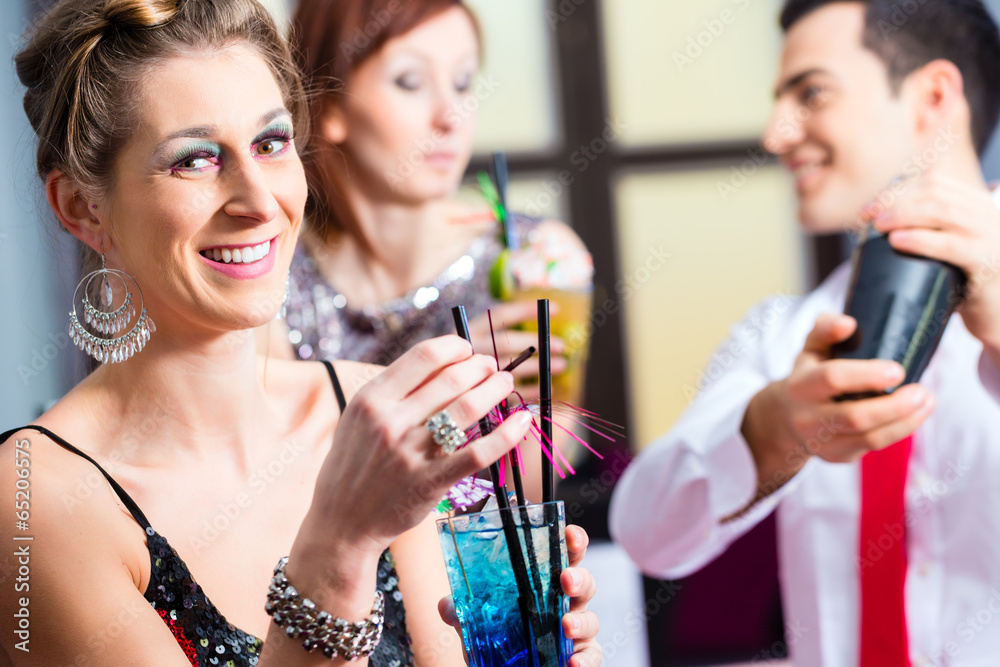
point(333, 124)
point(78, 215)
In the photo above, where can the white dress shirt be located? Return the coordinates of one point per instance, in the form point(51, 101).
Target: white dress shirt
point(667, 508)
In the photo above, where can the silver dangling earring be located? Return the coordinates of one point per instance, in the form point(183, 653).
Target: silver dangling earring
point(102, 344)
point(283, 311)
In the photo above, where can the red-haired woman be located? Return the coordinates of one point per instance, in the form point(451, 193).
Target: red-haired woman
point(388, 248)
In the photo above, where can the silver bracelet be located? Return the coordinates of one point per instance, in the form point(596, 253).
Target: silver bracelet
point(333, 636)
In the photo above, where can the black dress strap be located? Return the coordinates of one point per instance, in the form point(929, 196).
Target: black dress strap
point(125, 498)
point(337, 389)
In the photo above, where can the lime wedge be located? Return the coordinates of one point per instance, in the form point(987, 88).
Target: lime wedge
point(502, 284)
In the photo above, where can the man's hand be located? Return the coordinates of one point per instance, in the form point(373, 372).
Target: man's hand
point(795, 418)
point(948, 219)
point(579, 624)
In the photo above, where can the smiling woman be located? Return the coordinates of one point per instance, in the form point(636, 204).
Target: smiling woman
point(167, 145)
point(232, 184)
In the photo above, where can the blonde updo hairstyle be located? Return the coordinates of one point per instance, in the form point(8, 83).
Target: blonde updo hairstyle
point(84, 60)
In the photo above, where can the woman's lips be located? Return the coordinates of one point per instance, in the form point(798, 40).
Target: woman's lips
point(441, 160)
point(242, 262)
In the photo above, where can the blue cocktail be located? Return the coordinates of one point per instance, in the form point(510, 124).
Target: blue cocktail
point(508, 619)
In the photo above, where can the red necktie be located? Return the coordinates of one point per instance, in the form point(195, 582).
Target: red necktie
point(883, 557)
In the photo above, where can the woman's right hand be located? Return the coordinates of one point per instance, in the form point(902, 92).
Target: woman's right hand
point(385, 472)
point(511, 342)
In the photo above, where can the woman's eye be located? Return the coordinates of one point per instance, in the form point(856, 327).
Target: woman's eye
point(272, 146)
point(463, 83)
point(408, 81)
point(195, 162)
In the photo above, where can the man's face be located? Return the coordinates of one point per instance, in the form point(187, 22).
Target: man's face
point(836, 124)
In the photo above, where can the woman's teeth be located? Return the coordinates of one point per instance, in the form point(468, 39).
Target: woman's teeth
point(245, 255)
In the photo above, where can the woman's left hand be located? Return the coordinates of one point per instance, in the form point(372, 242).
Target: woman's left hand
point(578, 583)
point(579, 624)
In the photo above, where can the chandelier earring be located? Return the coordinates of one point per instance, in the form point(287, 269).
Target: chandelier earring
point(97, 334)
point(283, 311)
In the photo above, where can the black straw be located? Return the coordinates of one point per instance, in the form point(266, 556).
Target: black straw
point(515, 468)
point(548, 482)
point(522, 505)
point(462, 327)
point(526, 600)
point(502, 178)
point(545, 388)
point(521, 358)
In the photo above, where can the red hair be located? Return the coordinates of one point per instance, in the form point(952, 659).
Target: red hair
point(331, 39)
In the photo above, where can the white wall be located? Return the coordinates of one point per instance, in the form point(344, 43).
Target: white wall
point(36, 357)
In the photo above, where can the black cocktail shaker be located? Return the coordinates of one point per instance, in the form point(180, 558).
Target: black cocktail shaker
point(902, 304)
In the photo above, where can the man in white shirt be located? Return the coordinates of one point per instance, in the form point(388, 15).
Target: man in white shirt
point(867, 92)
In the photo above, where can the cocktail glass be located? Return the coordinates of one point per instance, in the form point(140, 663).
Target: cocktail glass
point(506, 622)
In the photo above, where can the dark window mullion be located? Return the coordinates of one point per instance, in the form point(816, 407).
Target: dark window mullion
point(584, 105)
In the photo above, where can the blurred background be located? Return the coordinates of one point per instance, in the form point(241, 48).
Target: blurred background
point(638, 123)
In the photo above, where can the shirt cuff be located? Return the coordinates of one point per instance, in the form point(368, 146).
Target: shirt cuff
point(732, 455)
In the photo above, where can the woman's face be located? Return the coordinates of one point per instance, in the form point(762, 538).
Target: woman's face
point(209, 193)
point(407, 120)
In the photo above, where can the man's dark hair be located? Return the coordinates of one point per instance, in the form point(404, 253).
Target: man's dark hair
point(908, 34)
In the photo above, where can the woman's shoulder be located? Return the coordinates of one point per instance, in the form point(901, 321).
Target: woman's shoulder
point(296, 386)
point(303, 384)
point(73, 544)
point(356, 374)
point(50, 464)
point(65, 499)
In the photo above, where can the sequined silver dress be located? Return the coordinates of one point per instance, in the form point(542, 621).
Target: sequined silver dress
point(323, 325)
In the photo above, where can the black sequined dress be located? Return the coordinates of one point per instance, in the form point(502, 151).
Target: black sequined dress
point(203, 633)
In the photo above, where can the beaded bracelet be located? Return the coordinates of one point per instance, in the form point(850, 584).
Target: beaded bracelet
point(333, 636)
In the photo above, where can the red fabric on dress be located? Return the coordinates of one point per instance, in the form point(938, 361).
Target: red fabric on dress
point(178, 633)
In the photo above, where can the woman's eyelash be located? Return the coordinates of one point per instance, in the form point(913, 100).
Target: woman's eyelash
point(276, 132)
point(193, 153)
point(408, 81)
point(281, 133)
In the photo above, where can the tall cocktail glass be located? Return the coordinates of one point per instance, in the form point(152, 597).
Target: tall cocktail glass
point(507, 623)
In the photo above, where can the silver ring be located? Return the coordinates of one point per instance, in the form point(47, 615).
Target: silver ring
point(446, 433)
